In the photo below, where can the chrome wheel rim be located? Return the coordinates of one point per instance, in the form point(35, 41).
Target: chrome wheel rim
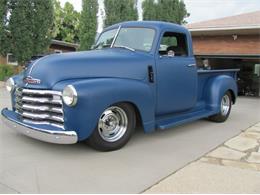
point(225, 105)
point(112, 124)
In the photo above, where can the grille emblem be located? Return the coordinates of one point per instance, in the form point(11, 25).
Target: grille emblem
point(31, 80)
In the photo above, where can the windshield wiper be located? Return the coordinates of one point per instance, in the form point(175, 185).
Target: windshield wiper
point(103, 46)
point(124, 47)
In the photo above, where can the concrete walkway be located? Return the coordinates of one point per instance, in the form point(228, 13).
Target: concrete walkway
point(233, 167)
point(31, 166)
point(2, 84)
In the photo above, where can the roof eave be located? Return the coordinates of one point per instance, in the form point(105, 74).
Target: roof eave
point(224, 28)
point(66, 44)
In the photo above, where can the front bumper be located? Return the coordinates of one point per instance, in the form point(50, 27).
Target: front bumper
point(43, 133)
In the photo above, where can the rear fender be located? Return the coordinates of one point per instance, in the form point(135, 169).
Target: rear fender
point(216, 88)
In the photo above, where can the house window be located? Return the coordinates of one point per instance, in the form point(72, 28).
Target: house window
point(11, 59)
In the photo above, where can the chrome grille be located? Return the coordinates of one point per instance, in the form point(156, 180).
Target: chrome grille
point(39, 106)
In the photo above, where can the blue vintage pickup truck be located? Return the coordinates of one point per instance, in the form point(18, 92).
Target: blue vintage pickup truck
point(137, 73)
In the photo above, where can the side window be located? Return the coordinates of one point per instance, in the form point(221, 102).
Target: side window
point(173, 44)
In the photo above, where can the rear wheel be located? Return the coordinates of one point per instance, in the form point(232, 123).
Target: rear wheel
point(114, 129)
point(225, 108)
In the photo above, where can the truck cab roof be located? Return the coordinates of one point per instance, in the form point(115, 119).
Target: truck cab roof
point(158, 25)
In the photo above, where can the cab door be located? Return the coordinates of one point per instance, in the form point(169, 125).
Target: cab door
point(176, 75)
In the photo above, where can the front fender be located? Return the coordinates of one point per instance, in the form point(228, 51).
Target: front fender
point(217, 87)
point(95, 95)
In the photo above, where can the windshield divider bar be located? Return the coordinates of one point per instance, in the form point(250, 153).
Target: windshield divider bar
point(114, 40)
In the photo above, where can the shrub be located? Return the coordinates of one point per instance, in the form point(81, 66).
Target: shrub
point(6, 71)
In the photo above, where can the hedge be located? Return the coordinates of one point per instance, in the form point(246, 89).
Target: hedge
point(6, 71)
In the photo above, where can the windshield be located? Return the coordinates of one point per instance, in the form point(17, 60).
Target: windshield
point(133, 38)
point(106, 39)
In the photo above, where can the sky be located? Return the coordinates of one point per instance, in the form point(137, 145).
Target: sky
point(199, 10)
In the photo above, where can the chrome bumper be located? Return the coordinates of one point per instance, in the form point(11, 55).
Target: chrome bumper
point(51, 136)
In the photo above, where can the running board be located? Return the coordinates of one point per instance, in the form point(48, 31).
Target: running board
point(165, 123)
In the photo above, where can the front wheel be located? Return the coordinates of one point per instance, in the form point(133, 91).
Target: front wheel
point(225, 108)
point(114, 129)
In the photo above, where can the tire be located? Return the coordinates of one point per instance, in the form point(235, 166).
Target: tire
point(225, 109)
point(114, 129)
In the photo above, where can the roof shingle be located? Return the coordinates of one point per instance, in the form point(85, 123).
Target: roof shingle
point(243, 20)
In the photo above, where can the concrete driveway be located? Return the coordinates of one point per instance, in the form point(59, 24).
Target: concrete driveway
point(31, 166)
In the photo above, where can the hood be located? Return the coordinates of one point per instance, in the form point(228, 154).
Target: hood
point(119, 63)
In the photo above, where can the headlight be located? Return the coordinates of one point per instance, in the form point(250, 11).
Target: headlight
point(70, 96)
point(10, 85)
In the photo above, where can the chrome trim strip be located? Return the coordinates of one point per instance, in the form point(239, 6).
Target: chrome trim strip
point(34, 63)
point(41, 100)
point(191, 65)
point(39, 108)
point(57, 137)
point(41, 92)
point(116, 35)
point(42, 116)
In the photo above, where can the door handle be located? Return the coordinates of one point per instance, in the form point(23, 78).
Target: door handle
point(191, 65)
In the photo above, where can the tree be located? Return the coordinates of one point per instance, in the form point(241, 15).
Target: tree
point(66, 23)
point(119, 11)
point(165, 10)
point(88, 24)
point(58, 19)
point(29, 27)
point(3, 29)
point(149, 10)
